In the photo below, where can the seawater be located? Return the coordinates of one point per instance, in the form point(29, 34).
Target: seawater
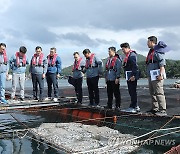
point(11, 144)
point(22, 144)
point(64, 83)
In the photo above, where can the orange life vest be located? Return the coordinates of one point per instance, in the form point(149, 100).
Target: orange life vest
point(52, 63)
point(18, 59)
point(5, 57)
point(76, 64)
point(34, 59)
point(111, 63)
point(90, 61)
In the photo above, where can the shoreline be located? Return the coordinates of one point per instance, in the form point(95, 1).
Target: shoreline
point(63, 83)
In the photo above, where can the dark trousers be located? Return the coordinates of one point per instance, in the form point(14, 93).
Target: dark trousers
point(113, 88)
point(132, 87)
point(78, 89)
point(38, 80)
point(51, 79)
point(93, 90)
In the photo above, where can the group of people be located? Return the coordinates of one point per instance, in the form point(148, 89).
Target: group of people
point(93, 68)
point(41, 67)
point(49, 67)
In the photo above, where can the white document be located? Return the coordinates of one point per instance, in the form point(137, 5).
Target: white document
point(155, 73)
point(128, 75)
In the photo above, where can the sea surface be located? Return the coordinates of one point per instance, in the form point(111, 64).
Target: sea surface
point(14, 140)
point(64, 83)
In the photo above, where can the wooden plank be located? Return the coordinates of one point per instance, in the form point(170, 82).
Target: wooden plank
point(28, 105)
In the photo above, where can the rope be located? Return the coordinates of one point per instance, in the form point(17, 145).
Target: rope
point(164, 125)
point(164, 135)
point(157, 130)
point(151, 137)
point(98, 119)
point(106, 122)
point(58, 149)
point(27, 126)
point(128, 141)
point(25, 135)
point(24, 125)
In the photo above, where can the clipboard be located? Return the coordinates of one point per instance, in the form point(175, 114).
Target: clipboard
point(155, 73)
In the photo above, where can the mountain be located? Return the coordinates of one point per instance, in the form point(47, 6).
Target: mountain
point(139, 56)
point(172, 67)
point(67, 71)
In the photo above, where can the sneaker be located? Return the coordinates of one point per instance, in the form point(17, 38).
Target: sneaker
point(55, 99)
point(40, 100)
point(21, 99)
point(137, 108)
point(35, 98)
point(107, 107)
point(79, 103)
point(96, 105)
point(151, 111)
point(161, 113)
point(13, 99)
point(130, 110)
point(47, 99)
point(117, 109)
point(4, 101)
point(90, 104)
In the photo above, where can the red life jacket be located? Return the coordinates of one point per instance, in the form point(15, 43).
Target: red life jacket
point(34, 59)
point(90, 61)
point(18, 59)
point(76, 64)
point(150, 56)
point(111, 63)
point(5, 57)
point(53, 61)
point(127, 56)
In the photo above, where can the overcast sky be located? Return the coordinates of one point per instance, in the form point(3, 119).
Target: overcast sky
point(73, 25)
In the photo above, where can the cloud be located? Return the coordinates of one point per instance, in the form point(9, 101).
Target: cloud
point(94, 24)
point(81, 39)
point(108, 14)
point(141, 45)
point(5, 4)
point(172, 38)
point(40, 35)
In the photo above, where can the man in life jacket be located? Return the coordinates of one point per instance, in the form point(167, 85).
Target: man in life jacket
point(18, 64)
point(112, 77)
point(4, 68)
point(156, 61)
point(132, 75)
point(78, 68)
point(93, 69)
point(53, 73)
point(38, 69)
